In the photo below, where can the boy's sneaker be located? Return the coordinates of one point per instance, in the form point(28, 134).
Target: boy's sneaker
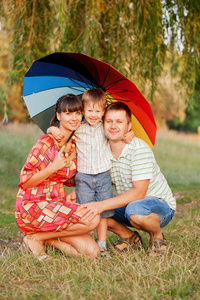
point(104, 253)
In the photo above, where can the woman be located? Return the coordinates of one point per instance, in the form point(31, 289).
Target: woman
point(43, 212)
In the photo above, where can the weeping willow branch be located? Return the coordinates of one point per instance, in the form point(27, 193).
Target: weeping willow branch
point(32, 22)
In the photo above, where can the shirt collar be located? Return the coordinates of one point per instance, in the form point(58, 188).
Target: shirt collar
point(123, 153)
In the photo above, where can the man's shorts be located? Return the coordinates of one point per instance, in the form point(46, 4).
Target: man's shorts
point(145, 207)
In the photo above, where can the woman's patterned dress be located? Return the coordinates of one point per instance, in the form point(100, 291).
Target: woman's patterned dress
point(44, 207)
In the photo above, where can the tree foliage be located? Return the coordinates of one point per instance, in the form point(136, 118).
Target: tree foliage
point(130, 35)
point(31, 24)
point(183, 23)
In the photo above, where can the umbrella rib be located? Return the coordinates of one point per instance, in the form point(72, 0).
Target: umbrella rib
point(82, 81)
point(106, 77)
point(112, 84)
point(121, 91)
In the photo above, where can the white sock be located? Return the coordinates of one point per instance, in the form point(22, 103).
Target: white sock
point(102, 244)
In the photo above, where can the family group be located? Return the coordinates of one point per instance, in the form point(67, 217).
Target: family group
point(92, 146)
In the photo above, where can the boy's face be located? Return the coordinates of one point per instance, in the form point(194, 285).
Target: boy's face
point(93, 113)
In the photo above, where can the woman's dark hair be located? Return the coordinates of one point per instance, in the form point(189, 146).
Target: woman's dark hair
point(68, 103)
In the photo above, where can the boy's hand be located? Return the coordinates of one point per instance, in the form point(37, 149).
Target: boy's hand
point(71, 197)
point(128, 137)
point(56, 132)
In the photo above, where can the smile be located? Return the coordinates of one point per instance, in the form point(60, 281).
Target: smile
point(113, 131)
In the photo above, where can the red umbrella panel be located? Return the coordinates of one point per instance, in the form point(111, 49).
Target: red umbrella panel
point(60, 73)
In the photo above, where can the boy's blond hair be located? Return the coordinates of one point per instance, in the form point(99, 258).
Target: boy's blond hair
point(97, 96)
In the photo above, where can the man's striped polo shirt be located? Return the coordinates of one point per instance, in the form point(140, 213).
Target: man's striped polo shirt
point(137, 162)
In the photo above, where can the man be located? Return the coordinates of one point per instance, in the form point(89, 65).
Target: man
point(144, 199)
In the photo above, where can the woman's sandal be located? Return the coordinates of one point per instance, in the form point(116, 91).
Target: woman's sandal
point(155, 247)
point(135, 242)
point(38, 251)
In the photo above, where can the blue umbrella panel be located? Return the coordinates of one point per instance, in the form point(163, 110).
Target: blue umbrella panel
point(45, 83)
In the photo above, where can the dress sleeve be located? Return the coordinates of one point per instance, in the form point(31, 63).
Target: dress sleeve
point(36, 161)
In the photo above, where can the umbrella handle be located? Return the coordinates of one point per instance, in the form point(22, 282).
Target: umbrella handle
point(61, 150)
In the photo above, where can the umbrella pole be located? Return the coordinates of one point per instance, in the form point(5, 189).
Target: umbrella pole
point(70, 136)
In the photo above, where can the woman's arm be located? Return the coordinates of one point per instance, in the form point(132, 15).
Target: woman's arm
point(59, 162)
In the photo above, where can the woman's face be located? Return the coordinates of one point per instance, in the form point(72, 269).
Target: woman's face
point(70, 121)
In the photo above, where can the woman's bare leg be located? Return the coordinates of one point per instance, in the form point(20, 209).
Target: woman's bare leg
point(82, 227)
point(75, 230)
point(63, 247)
point(76, 245)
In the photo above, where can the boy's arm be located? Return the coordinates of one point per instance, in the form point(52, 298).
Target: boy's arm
point(56, 132)
point(128, 137)
point(71, 197)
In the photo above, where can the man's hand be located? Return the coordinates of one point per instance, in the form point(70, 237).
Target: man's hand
point(71, 197)
point(89, 210)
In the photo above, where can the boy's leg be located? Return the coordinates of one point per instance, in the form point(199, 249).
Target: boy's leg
point(102, 232)
point(102, 235)
point(85, 192)
point(103, 190)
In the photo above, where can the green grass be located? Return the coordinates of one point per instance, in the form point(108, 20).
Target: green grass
point(179, 162)
point(131, 275)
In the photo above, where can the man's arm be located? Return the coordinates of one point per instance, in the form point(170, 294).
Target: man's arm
point(138, 192)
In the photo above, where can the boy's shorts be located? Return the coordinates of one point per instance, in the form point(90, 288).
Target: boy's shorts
point(91, 188)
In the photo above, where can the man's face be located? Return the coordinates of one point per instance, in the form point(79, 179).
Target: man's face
point(116, 125)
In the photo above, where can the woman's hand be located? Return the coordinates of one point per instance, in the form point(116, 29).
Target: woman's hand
point(71, 197)
point(60, 160)
point(90, 210)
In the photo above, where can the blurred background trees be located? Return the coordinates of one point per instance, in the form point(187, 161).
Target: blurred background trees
point(154, 43)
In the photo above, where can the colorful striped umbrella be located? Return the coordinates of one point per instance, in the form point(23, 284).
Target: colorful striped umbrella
point(61, 73)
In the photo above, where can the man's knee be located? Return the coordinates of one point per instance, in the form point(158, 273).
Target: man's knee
point(136, 219)
point(139, 219)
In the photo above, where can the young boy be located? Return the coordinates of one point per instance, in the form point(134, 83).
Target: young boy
point(92, 180)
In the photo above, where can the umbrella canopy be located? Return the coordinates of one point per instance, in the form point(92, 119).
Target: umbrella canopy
point(61, 73)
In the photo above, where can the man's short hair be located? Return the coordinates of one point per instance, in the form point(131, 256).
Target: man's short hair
point(97, 96)
point(120, 106)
